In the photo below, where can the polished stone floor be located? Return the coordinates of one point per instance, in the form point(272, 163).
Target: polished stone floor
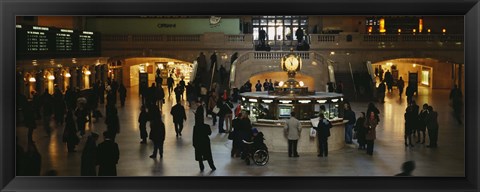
point(389, 153)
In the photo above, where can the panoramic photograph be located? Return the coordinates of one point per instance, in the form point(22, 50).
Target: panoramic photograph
point(240, 95)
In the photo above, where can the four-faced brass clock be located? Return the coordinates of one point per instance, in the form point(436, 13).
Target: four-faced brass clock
point(291, 63)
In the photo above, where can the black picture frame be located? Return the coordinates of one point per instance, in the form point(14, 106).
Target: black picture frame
point(9, 9)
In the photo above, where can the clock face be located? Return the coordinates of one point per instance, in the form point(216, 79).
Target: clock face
point(291, 63)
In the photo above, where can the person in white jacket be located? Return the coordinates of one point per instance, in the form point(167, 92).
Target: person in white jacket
point(292, 130)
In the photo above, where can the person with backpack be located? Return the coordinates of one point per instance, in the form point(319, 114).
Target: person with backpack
point(323, 132)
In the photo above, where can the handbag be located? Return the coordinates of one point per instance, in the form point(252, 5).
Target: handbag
point(313, 132)
point(216, 110)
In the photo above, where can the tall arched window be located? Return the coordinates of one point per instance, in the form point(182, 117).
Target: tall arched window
point(279, 28)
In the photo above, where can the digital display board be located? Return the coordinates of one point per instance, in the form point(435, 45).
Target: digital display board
point(35, 42)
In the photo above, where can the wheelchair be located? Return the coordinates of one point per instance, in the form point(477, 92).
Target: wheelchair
point(257, 152)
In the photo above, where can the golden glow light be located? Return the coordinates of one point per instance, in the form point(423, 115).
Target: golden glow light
point(280, 83)
point(87, 72)
point(414, 65)
point(369, 29)
point(32, 80)
point(51, 77)
point(382, 25)
point(414, 30)
point(68, 75)
point(420, 25)
point(429, 30)
point(444, 30)
point(399, 30)
point(301, 83)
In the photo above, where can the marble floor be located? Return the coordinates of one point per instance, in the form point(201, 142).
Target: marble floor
point(389, 153)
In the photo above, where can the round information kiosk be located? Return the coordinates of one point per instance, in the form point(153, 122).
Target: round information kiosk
point(269, 110)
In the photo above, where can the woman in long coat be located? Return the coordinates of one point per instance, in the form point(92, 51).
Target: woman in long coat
point(142, 120)
point(89, 156)
point(361, 131)
point(371, 125)
point(201, 142)
point(70, 132)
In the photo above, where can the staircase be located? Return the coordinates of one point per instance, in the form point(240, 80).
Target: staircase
point(363, 90)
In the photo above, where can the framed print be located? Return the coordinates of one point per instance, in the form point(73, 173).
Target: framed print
point(213, 95)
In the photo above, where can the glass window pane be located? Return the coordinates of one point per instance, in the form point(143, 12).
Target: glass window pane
point(288, 33)
point(279, 34)
point(288, 22)
point(271, 22)
point(295, 22)
point(271, 33)
point(256, 22)
point(255, 33)
point(263, 22)
point(279, 22)
point(303, 22)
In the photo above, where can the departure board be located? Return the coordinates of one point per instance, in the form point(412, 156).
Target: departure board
point(47, 42)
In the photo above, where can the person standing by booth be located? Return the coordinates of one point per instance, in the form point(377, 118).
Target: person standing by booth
point(292, 130)
point(323, 132)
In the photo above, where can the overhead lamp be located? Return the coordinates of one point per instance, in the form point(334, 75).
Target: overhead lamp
point(253, 100)
point(304, 101)
point(32, 80)
point(332, 53)
point(414, 65)
point(321, 101)
point(267, 100)
point(334, 100)
point(171, 63)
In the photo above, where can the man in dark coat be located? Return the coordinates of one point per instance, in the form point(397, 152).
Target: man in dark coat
point(142, 120)
point(400, 86)
point(70, 132)
point(456, 99)
point(157, 132)
point(178, 113)
point(158, 79)
point(381, 92)
point(299, 34)
point(170, 83)
point(323, 132)
point(389, 80)
point(113, 123)
point(160, 95)
point(89, 156)
point(108, 155)
point(349, 115)
point(201, 142)
point(122, 91)
point(47, 110)
point(409, 92)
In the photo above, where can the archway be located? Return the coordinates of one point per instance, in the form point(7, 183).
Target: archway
point(431, 73)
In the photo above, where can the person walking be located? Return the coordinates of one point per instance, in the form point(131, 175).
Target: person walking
point(113, 123)
point(422, 123)
point(212, 102)
point(201, 142)
point(323, 132)
point(157, 132)
point(371, 125)
point(221, 115)
point(361, 131)
point(409, 92)
point(228, 107)
point(179, 116)
point(122, 91)
point(410, 123)
point(293, 130)
point(89, 156)
point(456, 99)
point(400, 86)
point(81, 114)
point(381, 92)
point(108, 155)
point(389, 80)
point(432, 126)
point(47, 111)
point(349, 115)
point(170, 83)
point(70, 133)
point(235, 136)
point(142, 120)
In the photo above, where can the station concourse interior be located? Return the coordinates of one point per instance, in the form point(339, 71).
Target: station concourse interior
point(347, 50)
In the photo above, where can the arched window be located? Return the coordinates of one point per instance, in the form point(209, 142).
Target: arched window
point(279, 28)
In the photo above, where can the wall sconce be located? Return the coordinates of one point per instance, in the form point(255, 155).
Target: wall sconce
point(332, 53)
point(87, 72)
point(301, 83)
point(51, 77)
point(444, 30)
point(399, 30)
point(280, 83)
point(428, 30)
point(32, 80)
point(414, 30)
point(414, 65)
point(68, 75)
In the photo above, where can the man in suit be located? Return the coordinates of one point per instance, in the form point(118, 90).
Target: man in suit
point(108, 155)
point(292, 130)
point(323, 132)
